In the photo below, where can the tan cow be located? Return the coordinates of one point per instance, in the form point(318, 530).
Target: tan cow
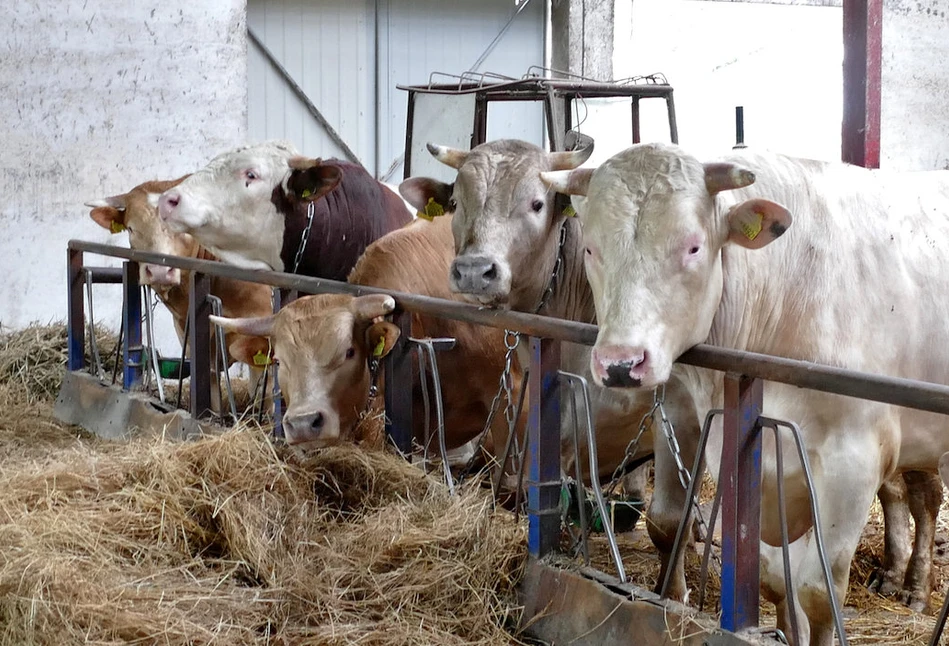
point(137, 213)
point(322, 346)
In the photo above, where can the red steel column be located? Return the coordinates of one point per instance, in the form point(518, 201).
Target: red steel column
point(863, 53)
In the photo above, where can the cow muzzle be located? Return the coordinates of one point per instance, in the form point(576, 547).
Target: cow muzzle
point(313, 429)
point(480, 277)
point(160, 276)
point(619, 366)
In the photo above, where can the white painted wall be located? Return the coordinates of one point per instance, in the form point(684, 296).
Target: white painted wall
point(914, 123)
point(97, 97)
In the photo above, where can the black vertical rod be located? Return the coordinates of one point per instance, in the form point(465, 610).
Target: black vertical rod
point(543, 430)
point(132, 345)
point(76, 339)
point(279, 298)
point(673, 125)
point(200, 341)
point(739, 126)
point(399, 386)
point(634, 114)
point(740, 480)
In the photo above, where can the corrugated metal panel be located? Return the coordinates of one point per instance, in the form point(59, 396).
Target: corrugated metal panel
point(327, 47)
point(418, 37)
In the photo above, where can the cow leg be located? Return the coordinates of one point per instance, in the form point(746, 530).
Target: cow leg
point(925, 497)
point(896, 540)
point(669, 496)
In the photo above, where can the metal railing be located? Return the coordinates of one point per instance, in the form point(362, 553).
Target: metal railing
point(743, 394)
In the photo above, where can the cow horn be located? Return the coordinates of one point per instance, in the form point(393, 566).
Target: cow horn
point(448, 156)
point(370, 306)
point(724, 176)
point(568, 182)
point(254, 326)
point(115, 202)
point(303, 163)
point(570, 159)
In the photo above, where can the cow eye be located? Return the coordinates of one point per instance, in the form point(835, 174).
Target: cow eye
point(588, 251)
point(694, 250)
point(452, 205)
point(537, 205)
point(350, 352)
point(250, 175)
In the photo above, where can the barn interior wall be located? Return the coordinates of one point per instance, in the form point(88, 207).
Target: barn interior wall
point(99, 96)
point(914, 120)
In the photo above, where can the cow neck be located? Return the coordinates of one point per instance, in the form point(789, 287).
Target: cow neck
point(297, 217)
point(572, 298)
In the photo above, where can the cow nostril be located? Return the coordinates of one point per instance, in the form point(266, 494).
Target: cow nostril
point(492, 272)
point(455, 274)
point(317, 422)
point(172, 200)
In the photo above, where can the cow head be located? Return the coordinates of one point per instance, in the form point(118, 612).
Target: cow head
point(503, 216)
point(323, 344)
point(137, 213)
point(235, 205)
point(655, 221)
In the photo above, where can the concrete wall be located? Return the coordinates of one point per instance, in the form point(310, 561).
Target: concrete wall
point(96, 97)
point(914, 123)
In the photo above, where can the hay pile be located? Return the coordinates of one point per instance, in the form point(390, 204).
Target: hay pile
point(235, 540)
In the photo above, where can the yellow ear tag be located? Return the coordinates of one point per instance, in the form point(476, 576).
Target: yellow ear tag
point(432, 210)
point(261, 358)
point(306, 193)
point(116, 227)
point(380, 347)
point(751, 229)
point(569, 211)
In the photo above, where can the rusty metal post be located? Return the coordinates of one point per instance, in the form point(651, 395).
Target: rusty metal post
point(76, 332)
point(740, 481)
point(132, 354)
point(399, 386)
point(673, 125)
point(863, 65)
point(543, 437)
point(200, 341)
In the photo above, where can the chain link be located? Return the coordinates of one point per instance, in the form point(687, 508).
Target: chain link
point(373, 385)
point(310, 209)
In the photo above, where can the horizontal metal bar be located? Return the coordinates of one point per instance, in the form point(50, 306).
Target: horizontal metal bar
point(910, 393)
point(105, 274)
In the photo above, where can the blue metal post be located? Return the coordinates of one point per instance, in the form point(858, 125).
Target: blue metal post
point(399, 386)
point(543, 436)
point(740, 480)
point(76, 332)
point(132, 344)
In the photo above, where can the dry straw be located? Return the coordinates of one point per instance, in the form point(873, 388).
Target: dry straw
point(233, 539)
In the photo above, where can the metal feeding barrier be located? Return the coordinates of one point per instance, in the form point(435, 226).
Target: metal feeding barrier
point(742, 425)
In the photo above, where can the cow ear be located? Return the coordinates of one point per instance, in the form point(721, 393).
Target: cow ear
point(252, 350)
point(372, 306)
point(426, 195)
point(310, 179)
point(753, 224)
point(381, 338)
point(109, 213)
point(568, 182)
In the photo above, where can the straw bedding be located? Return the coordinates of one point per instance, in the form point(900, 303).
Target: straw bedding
point(232, 539)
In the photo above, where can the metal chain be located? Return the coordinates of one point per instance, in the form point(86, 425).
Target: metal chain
point(310, 209)
point(373, 378)
point(558, 264)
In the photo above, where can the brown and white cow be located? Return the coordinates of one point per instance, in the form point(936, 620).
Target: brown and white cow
point(507, 228)
point(323, 344)
point(137, 213)
point(251, 207)
point(679, 252)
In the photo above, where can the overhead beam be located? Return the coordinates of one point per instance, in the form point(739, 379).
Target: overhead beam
point(863, 53)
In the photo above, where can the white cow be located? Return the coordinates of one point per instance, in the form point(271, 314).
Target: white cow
point(679, 252)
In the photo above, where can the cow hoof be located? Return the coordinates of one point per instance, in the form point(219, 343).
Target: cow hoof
point(916, 602)
point(885, 583)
